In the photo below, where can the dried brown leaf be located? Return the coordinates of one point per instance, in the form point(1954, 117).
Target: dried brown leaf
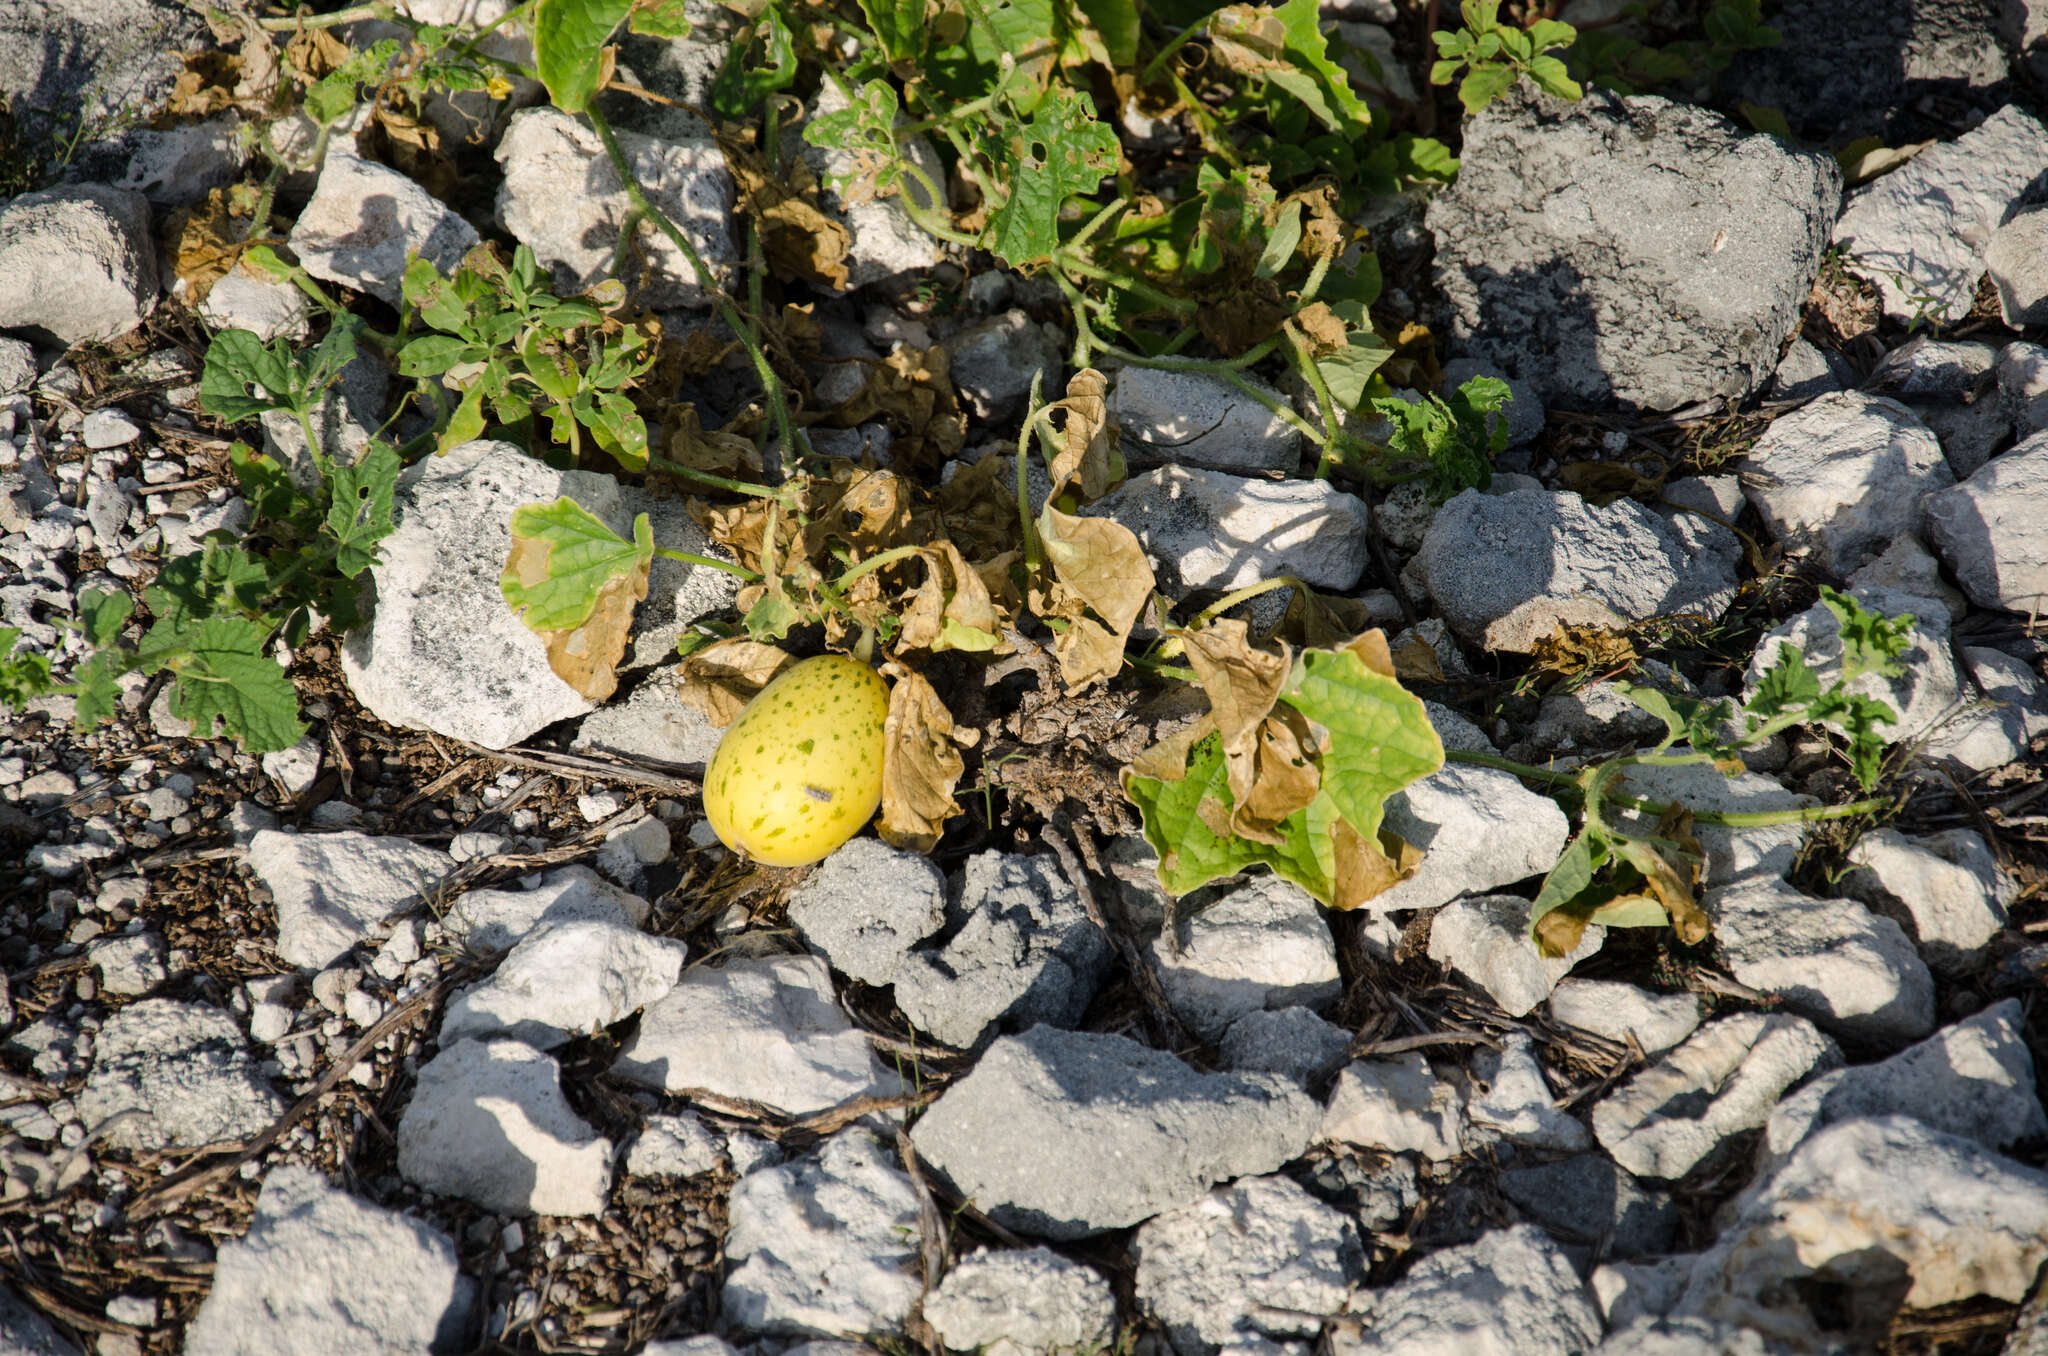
point(1102, 565)
point(1088, 460)
point(800, 241)
point(1325, 331)
point(586, 657)
point(203, 243)
point(1371, 649)
point(721, 679)
point(1242, 684)
point(1366, 870)
point(920, 764)
point(1417, 662)
point(1089, 652)
point(1167, 761)
point(1321, 621)
point(1284, 776)
point(1248, 315)
point(717, 452)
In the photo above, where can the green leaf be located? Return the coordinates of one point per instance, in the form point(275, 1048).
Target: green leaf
point(1061, 151)
point(101, 615)
point(214, 581)
point(747, 78)
point(578, 556)
point(1550, 75)
point(865, 129)
point(1347, 371)
point(1117, 22)
point(568, 47)
point(1573, 875)
point(898, 25)
point(1380, 735)
point(237, 363)
point(616, 424)
point(1334, 105)
point(1483, 85)
point(1425, 158)
point(432, 354)
point(224, 675)
point(332, 97)
point(1191, 854)
point(771, 617)
point(467, 422)
point(1788, 686)
point(359, 507)
point(660, 19)
point(24, 674)
point(1281, 243)
point(96, 689)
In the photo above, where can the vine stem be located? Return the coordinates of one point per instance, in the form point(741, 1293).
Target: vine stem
point(715, 481)
point(740, 572)
point(793, 438)
point(353, 14)
point(1246, 594)
point(1730, 819)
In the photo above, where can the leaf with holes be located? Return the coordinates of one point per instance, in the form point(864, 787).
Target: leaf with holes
point(1060, 152)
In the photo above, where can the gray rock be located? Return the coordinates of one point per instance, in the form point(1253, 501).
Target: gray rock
point(1926, 368)
point(1486, 939)
point(1970, 434)
point(1694, 1337)
point(498, 920)
point(2017, 262)
point(1628, 250)
point(1021, 1300)
point(885, 240)
point(1843, 476)
point(765, 1030)
point(1630, 1292)
point(129, 965)
point(1851, 971)
point(56, 1049)
point(704, 1344)
point(319, 1270)
point(1017, 949)
point(184, 1072)
point(1258, 1258)
point(365, 220)
point(994, 361)
point(1264, 945)
point(1723, 1080)
point(1876, 1206)
point(651, 722)
point(1508, 570)
point(1512, 1101)
point(75, 67)
point(442, 650)
point(1398, 1105)
point(1596, 717)
point(825, 1246)
point(17, 367)
point(1946, 889)
point(488, 1124)
point(1919, 234)
point(1992, 729)
point(25, 1332)
point(2023, 386)
point(1479, 829)
point(1208, 530)
point(1066, 1134)
point(268, 310)
point(1617, 1010)
point(1906, 567)
point(562, 198)
point(1193, 419)
point(1587, 1200)
point(1513, 1290)
point(1290, 1041)
point(181, 164)
point(675, 1146)
point(76, 263)
point(1806, 371)
point(333, 890)
point(1989, 530)
point(1845, 70)
point(564, 980)
point(866, 905)
point(1974, 1079)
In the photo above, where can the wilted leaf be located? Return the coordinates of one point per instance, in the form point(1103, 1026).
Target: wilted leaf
point(719, 680)
point(575, 583)
point(951, 610)
point(717, 452)
point(798, 238)
point(1368, 870)
point(1088, 460)
point(203, 243)
point(920, 765)
point(1417, 662)
point(1242, 684)
point(1319, 620)
point(1102, 564)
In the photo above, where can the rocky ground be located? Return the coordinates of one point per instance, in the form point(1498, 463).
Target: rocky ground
point(454, 1029)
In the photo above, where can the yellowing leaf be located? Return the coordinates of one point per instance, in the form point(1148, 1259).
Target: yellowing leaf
point(575, 583)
